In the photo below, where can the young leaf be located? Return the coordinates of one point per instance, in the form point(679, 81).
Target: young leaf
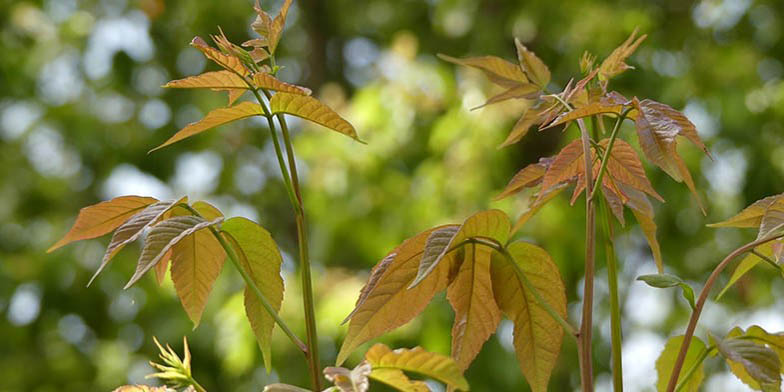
point(745, 265)
point(773, 220)
point(521, 127)
point(213, 80)
point(271, 29)
point(492, 224)
point(398, 380)
point(755, 364)
point(666, 362)
point(213, 119)
point(196, 262)
point(417, 360)
point(133, 228)
point(102, 218)
point(528, 90)
point(591, 109)
point(228, 62)
point(625, 167)
point(162, 267)
point(311, 109)
point(774, 340)
point(528, 177)
point(615, 63)
point(751, 216)
point(643, 211)
point(537, 337)
point(355, 380)
point(537, 204)
point(471, 296)
point(438, 243)
point(665, 281)
point(498, 70)
point(534, 68)
point(567, 165)
point(260, 257)
point(269, 82)
point(385, 303)
point(162, 237)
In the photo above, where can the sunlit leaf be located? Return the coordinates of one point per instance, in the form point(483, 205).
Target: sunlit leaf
point(213, 80)
point(398, 380)
point(746, 265)
point(521, 127)
point(591, 109)
point(498, 70)
point(271, 29)
point(385, 303)
point(615, 63)
point(162, 267)
point(755, 364)
point(213, 119)
point(102, 218)
point(438, 243)
point(536, 71)
point(471, 296)
point(311, 109)
point(133, 228)
point(354, 380)
point(666, 363)
point(417, 360)
point(269, 82)
point(751, 216)
point(162, 237)
point(196, 262)
point(229, 62)
point(666, 281)
point(537, 336)
point(260, 257)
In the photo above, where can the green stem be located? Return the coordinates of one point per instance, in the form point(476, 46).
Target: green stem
point(615, 308)
point(766, 259)
point(703, 354)
point(607, 151)
point(586, 325)
point(196, 385)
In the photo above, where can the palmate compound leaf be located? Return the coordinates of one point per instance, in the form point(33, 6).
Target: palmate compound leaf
point(213, 119)
point(102, 218)
point(567, 165)
point(313, 110)
point(754, 363)
point(666, 362)
point(498, 70)
point(657, 127)
point(385, 302)
point(746, 265)
point(415, 360)
point(162, 237)
point(534, 68)
point(260, 257)
point(537, 336)
point(591, 109)
point(751, 216)
point(133, 228)
point(196, 262)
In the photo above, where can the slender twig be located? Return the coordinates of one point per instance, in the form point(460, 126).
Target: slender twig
point(695, 314)
point(586, 326)
point(615, 307)
point(766, 259)
point(703, 354)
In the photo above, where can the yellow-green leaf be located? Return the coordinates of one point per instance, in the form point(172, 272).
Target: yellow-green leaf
point(162, 237)
point(417, 360)
point(213, 80)
point(773, 220)
point(528, 90)
point(385, 303)
point(213, 119)
point(471, 296)
point(311, 109)
point(269, 82)
point(534, 68)
point(260, 257)
point(133, 228)
point(537, 336)
point(755, 364)
point(398, 380)
point(745, 265)
point(498, 70)
point(751, 216)
point(102, 218)
point(666, 362)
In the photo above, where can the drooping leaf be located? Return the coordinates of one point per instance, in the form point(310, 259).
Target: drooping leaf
point(536, 71)
point(666, 362)
point(746, 265)
point(133, 228)
point(528, 90)
point(102, 218)
point(213, 119)
point(498, 70)
point(773, 340)
point(162, 237)
point(625, 167)
point(354, 380)
point(471, 296)
point(751, 216)
point(528, 177)
point(417, 360)
point(615, 63)
point(311, 109)
point(537, 205)
point(398, 380)
point(755, 364)
point(666, 281)
point(269, 82)
point(229, 62)
point(537, 336)
point(643, 211)
point(260, 257)
point(521, 127)
point(213, 80)
point(773, 220)
point(491, 224)
point(385, 302)
point(196, 262)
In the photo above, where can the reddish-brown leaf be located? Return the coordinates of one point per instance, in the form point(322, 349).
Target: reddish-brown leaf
point(528, 177)
point(521, 127)
point(533, 66)
point(566, 166)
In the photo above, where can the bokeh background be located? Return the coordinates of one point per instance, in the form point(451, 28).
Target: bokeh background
point(80, 106)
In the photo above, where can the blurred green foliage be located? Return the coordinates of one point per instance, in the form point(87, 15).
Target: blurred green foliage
point(80, 105)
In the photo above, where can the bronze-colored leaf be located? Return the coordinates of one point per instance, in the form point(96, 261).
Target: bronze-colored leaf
point(269, 82)
point(625, 167)
point(567, 165)
point(615, 63)
point(521, 127)
point(537, 204)
point(213, 80)
point(643, 211)
point(498, 70)
point(229, 62)
point(417, 360)
point(591, 109)
point(102, 218)
point(534, 68)
point(537, 336)
point(527, 177)
point(213, 119)
point(311, 109)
